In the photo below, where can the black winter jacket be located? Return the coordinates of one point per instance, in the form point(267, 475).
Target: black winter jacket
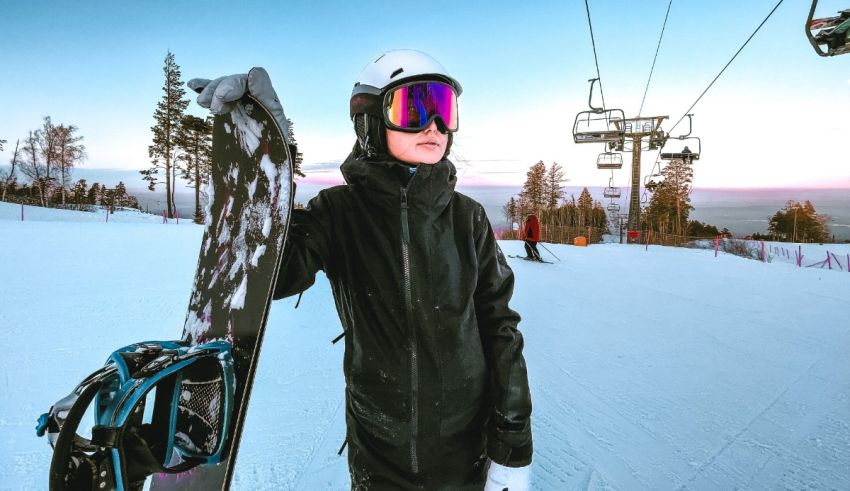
point(433, 359)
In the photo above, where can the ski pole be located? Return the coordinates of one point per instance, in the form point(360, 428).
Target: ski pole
point(547, 250)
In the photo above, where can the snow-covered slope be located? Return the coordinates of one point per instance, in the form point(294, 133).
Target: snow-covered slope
point(16, 212)
point(650, 369)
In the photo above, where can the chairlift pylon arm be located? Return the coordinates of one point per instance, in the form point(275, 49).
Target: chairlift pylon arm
point(590, 97)
point(686, 135)
point(811, 38)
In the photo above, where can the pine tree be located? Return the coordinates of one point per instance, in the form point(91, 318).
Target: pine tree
point(670, 205)
point(168, 114)
point(195, 141)
point(554, 192)
point(93, 194)
point(510, 211)
point(585, 208)
point(533, 192)
point(104, 197)
point(119, 197)
point(298, 157)
point(80, 191)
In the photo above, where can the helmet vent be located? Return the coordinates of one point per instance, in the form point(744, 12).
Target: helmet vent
point(397, 72)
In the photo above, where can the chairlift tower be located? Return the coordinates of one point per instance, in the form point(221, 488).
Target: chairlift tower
point(636, 129)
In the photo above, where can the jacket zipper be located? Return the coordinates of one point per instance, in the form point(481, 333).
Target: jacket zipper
point(414, 366)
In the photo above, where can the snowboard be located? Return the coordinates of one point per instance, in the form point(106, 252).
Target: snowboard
point(251, 196)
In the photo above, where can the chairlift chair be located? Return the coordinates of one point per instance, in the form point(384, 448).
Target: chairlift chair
point(611, 192)
point(613, 207)
point(596, 127)
point(686, 154)
point(609, 160)
point(832, 32)
point(597, 124)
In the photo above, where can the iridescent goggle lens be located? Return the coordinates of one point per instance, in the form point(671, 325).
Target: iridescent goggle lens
point(412, 107)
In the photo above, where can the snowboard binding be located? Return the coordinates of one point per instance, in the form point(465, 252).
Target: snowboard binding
point(159, 407)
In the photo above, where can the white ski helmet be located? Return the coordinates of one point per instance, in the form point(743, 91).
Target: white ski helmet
point(399, 66)
point(389, 70)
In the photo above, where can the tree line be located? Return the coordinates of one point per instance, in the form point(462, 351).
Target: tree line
point(79, 195)
point(46, 156)
point(182, 143)
point(667, 214)
point(797, 222)
point(561, 220)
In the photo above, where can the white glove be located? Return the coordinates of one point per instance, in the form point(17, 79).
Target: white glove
point(500, 477)
point(220, 95)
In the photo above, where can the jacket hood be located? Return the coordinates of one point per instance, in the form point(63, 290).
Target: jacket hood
point(431, 187)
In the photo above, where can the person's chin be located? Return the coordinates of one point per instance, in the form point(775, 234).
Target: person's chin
point(432, 157)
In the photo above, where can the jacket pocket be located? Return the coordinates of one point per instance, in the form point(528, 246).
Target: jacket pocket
point(379, 412)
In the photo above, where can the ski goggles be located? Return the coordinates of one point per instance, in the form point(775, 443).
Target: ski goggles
point(413, 106)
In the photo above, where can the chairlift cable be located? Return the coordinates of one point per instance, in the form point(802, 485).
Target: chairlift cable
point(727, 65)
point(595, 59)
point(657, 48)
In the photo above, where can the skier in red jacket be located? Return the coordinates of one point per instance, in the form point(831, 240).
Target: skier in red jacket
point(531, 235)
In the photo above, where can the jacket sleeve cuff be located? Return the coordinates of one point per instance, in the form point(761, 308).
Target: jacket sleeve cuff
point(503, 454)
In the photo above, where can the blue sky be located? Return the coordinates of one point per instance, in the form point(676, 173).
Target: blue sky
point(776, 118)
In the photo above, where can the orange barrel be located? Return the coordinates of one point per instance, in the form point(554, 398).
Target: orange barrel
point(580, 241)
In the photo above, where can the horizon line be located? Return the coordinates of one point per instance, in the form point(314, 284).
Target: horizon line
point(476, 183)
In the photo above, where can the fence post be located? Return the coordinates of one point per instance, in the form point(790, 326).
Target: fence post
point(22, 212)
point(762, 252)
point(799, 256)
point(828, 261)
point(716, 244)
point(837, 261)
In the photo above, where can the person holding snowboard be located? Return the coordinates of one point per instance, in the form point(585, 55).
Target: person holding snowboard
point(437, 390)
point(531, 235)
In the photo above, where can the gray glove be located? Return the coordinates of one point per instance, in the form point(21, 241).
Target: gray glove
point(221, 95)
